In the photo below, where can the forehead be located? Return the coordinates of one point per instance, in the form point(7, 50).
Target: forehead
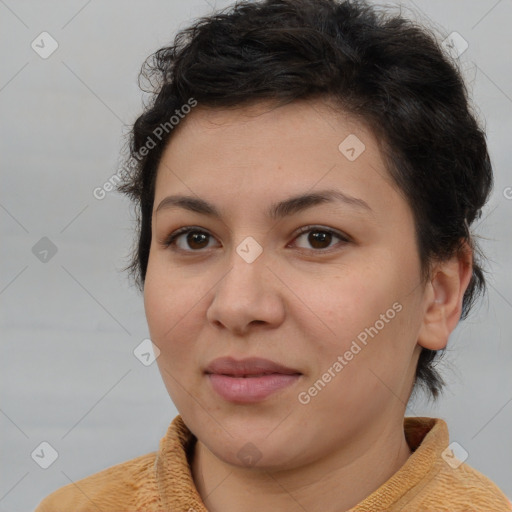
point(267, 152)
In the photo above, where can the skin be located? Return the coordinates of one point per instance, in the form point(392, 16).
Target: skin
point(299, 303)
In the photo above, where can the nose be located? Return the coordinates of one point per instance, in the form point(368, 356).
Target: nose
point(249, 294)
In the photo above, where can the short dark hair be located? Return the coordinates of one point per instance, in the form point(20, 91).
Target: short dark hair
point(385, 70)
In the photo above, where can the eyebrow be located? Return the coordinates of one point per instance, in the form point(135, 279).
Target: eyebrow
point(276, 211)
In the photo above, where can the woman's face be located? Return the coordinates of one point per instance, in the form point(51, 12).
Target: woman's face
point(341, 303)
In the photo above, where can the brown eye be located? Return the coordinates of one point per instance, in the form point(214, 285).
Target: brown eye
point(318, 238)
point(188, 240)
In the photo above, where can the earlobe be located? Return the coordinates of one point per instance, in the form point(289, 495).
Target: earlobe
point(444, 294)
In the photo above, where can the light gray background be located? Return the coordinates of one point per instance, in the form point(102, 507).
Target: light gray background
point(70, 325)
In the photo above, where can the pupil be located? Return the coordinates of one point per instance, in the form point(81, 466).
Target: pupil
point(319, 237)
point(194, 239)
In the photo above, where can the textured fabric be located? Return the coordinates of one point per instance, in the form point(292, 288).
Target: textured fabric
point(162, 481)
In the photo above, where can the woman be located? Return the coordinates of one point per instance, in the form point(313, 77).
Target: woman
point(306, 179)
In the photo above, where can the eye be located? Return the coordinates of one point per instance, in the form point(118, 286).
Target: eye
point(319, 238)
point(188, 239)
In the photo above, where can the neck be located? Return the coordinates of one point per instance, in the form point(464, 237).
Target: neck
point(334, 483)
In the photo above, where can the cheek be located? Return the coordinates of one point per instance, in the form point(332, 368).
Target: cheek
point(169, 307)
point(359, 313)
point(342, 304)
point(176, 301)
point(172, 320)
point(157, 302)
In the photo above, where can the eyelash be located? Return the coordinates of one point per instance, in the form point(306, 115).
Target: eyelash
point(169, 242)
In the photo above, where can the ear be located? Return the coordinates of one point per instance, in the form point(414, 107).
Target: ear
point(443, 299)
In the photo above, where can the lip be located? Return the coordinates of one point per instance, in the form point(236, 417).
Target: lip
point(249, 380)
point(249, 366)
point(245, 390)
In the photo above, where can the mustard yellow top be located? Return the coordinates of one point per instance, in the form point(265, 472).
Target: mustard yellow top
point(430, 480)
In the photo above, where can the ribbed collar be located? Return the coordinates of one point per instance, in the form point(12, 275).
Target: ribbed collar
point(427, 438)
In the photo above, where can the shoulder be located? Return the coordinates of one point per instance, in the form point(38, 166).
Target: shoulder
point(474, 488)
point(115, 488)
point(438, 479)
